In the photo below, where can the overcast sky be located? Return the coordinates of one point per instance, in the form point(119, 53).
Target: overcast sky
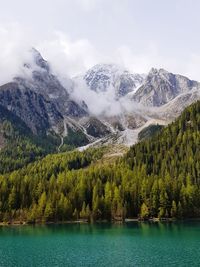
point(76, 34)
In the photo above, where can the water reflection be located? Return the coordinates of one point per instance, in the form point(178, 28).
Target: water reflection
point(130, 244)
point(142, 228)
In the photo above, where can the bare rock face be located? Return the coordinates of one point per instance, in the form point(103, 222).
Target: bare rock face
point(103, 77)
point(34, 109)
point(96, 128)
point(41, 101)
point(160, 87)
point(42, 81)
point(39, 98)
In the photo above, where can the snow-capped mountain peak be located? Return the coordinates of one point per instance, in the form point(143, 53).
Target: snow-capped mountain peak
point(39, 60)
point(107, 103)
point(103, 76)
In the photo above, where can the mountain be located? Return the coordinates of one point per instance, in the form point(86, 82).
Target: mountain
point(104, 77)
point(161, 87)
point(42, 81)
point(156, 178)
point(95, 127)
point(175, 107)
point(18, 144)
point(170, 163)
point(38, 97)
point(144, 100)
point(47, 107)
point(33, 108)
point(40, 118)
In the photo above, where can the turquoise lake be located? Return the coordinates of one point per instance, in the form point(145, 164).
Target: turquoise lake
point(131, 244)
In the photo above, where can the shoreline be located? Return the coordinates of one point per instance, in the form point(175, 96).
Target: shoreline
point(127, 220)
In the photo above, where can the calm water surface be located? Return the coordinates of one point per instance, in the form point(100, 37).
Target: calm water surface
point(132, 244)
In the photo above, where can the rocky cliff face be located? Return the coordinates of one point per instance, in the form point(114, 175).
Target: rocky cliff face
point(43, 82)
point(40, 100)
point(160, 87)
point(38, 97)
point(104, 77)
point(33, 108)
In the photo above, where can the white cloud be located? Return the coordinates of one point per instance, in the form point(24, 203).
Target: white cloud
point(193, 65)
point(152, 57)
point(67, 56)
point(74, 57)
point(70, 57)
point(88, 5)
point(14, 49)
point(100, 103)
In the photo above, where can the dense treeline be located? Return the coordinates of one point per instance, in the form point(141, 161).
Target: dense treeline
point(159, 177)
point(40, 190)
point(170, 166)
point(21, 145)
point(149, 131)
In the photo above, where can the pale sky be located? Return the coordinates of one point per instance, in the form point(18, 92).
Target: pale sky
point(76, 34)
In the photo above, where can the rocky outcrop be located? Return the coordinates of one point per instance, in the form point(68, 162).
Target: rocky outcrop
point(160, 87)
point(104, 77)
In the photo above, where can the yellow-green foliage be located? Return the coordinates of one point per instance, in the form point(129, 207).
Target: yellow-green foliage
point(157, 177)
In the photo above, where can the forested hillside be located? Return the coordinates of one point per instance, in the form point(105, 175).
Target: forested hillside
point(18, 145)
point(159, 177)
point(168, 166)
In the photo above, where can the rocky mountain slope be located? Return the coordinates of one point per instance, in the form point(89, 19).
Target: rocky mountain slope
point(38, 97)
point(19, 145)
point(104, 77)
point(40, 100)
point(159, 99)
point(33, 108)
point(160, 87)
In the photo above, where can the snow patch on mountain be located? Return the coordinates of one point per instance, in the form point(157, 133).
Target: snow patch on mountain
point(106, 77)
point(105, 89)
point(108, 104)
